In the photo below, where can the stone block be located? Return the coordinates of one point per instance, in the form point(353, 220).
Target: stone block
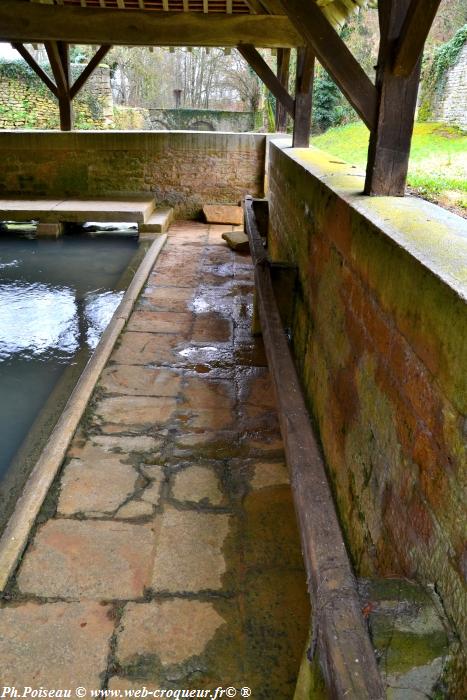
point(223, 214)
point(237, 240)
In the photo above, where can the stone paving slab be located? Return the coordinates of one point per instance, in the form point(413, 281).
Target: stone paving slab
point(189, 554)
point(55, 645)
point(154, 629)
point(96, 560)
point(170, 532)
point(96, 485)
point(140, 381)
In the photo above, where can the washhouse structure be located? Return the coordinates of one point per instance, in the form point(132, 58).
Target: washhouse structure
point(155, 544)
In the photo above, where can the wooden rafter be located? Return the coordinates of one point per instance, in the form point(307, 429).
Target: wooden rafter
point(89, 69)
point(261, 68)
point(283, 67)
point(409, 48)
point(32, 63)
point(334, 55)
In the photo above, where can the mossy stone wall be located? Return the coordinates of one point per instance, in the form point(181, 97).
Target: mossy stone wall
point(380, 341)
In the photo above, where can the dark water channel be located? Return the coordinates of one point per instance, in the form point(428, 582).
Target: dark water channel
point(56, 298)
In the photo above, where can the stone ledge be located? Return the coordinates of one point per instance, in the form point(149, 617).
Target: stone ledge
point(435, 237)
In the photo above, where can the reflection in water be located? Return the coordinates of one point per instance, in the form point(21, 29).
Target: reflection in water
point(56, 298)
point(99, 307)
point(37, 320)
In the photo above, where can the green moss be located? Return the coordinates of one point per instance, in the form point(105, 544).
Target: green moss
point(438, 156)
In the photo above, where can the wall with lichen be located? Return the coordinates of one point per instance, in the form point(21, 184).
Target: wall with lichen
point(380, 341)
point(182, 169)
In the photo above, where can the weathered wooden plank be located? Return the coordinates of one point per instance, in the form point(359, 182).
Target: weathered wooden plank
point(303, 98)
point(261, 68)
point(409, 48)
point(389, 150)
point(334, 55)
point(90, 68)
point(22, 50)
point(344, 646)
point(32, 22)
point(283, 68)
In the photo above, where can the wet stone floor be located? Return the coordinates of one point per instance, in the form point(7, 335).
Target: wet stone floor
point(166, 554)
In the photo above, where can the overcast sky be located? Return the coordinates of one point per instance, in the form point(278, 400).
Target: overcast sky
point(7, 52)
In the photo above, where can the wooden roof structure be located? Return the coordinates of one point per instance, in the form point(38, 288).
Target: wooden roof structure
point(387, 106)
point(336, 11)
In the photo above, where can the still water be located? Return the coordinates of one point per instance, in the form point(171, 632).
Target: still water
point(56, 298)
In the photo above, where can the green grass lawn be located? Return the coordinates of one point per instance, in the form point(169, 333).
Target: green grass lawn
point(438, 158)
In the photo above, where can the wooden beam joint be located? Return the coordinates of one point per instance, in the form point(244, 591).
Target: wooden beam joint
point(264, 72)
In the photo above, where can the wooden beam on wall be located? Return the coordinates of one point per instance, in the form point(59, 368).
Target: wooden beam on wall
point(262, 70)
point(303, 97)
point(389, 149)
point(33, 22)
point(98, 57)
point(283, 69)
point(414, 32)
point(32, 63)
point(334, 55)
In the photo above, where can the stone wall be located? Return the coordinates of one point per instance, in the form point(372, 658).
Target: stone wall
point(183, 169)
point(203, 119)
point(450, 101)
point(380, 340)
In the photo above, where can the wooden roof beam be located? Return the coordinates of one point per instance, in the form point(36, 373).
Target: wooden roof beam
point(100, 54)
point(409, 48)
point(272, 82)
point(32, 22)
point(32, 63)
point(334, 55)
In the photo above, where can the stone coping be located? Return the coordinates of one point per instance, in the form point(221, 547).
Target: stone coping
point(435, 237)
point(124, 140)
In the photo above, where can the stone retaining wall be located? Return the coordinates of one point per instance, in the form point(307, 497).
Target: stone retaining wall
point(28, 104)
point(183, 170)
point(450, 101)
point(380, 340)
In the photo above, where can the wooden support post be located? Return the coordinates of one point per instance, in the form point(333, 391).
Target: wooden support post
point(59, 57)
point(283, 67)
point(389, 150)
point(303, 97)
